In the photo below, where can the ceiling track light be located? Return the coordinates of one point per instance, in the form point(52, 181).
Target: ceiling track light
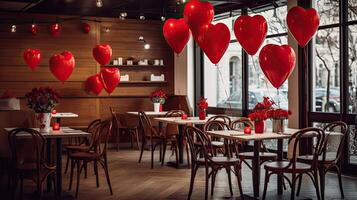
point(146, 45)
point(99, 3)
point(163, 18)
point(142, 17)
point(13, 28)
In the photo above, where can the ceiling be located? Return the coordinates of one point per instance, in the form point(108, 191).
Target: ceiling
point(151, 9)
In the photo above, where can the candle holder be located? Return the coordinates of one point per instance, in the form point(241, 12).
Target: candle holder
point(56, 126)
point(184, 116)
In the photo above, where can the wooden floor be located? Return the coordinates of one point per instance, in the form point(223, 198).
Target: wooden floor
point(134, 181)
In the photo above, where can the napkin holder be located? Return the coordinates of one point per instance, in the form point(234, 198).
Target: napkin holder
point(157, 78)
point(124, 77)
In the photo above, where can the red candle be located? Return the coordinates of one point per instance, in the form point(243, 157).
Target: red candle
point(56, 126)
point(247, 130)
point(184, 116)
point(54, 112)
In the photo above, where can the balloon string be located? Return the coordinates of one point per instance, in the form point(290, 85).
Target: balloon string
point(263, 79)
point(305, 80)
point(230, 110)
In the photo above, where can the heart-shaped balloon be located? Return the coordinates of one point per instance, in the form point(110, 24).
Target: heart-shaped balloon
point(216, 41)
point(94, 84)
point(110, 78)
point(102, 53)
point(34, 29)
point(86, 28)
point(303, 24)
point(250, 32)
point(55, 30)
point(199, 34)
point(197, 14)
point(176, 33)
point(62, 65)
point(277, 63)
point(32, 58)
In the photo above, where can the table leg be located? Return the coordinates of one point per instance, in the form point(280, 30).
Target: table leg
point(49, 160)
point(280, 158)
point(180, 138)
point(59, 165)
point(256, 168)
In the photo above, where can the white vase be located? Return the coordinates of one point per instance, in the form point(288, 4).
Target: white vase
point(157, 107)
point(44, 122)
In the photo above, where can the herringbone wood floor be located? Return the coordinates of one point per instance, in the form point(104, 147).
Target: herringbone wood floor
point(134, 181)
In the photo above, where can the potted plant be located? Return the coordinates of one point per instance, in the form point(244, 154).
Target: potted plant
point(158, 98)
point(279, 117)
point(42, 101)
point(260, 114)
point(202, 106)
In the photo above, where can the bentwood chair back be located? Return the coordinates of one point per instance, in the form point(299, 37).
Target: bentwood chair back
point(340, 127)
point(239, 124)
point(227, 120)
point(35, 167)
point(216, 125)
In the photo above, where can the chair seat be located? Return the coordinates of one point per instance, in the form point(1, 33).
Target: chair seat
point(217, 144)
point(280, 165)
point(72, 148)
point(85, 156)
point(263, 155)
point(220, 160)
point(308, 158)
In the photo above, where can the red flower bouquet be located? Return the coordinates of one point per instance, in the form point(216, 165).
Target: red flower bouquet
point(202, 103)
point(278, 113)
point(42, 100)
point(158, 96)
point(258, 116)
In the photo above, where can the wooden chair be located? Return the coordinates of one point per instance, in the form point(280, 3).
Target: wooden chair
point(226, 119)
point(169, 137)
point(29, 163)
point(93, 154)
point(94, 129)
point(265, 155)
point(217, 144)
point(295, 168)
point(214, 125)
point(119, 127)
point(328, 160)
point(209, 161)
point(150, 136)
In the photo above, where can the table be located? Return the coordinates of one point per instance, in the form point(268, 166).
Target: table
point(180, 138)
point(257, 139)
point(58, 116)
point(150, 113)
point(65, 132)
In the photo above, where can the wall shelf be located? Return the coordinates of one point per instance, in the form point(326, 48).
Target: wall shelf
point(137, 66)
point(142, 82)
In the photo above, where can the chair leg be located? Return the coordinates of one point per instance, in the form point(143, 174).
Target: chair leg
point(340, 182)
point(118, 139)
point(163, 152)
point(71, 175)
point(85, 170)
point(188, 157)
point(322, 183)
point(229, 180)
point(206, 184)
point(266, 181)
point(143, 143)
point(316, 183)
point(293, 183)
point(213, 180)
point(239, 179)
point(299, 185)
point(54, 182)
point(106, 170)
point(152, 154)
point(96, 173)
point(137, 138)
point(177, 156)
point(193, 175)
point(67, 163)
point(79, 167)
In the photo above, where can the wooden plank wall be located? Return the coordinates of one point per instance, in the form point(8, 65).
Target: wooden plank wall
point(123, 38)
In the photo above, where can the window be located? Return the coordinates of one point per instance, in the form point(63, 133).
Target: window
point(223, 82)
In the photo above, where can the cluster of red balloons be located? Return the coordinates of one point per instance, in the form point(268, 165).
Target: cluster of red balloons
point(55, 29)
point(107, 78)
point(277, 62)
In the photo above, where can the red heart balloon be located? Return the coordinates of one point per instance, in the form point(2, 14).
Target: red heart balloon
point(302, 24)
point(86, 28)
point(250, 32)
point(34, 29)
point(102, 53)
point(94, 84)
point(55, 30)
point(277, 63)
point(110, 78)
point(32, 58)
point(197, 14)
point(176, 33)
point(199, 34)
point(216, 41)
point(62, 65)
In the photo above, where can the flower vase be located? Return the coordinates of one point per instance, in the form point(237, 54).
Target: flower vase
point(259, 127)
point(202, 115)
point(44, 122)
point(157, 107)
point(278, 125)
point(160, 109)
